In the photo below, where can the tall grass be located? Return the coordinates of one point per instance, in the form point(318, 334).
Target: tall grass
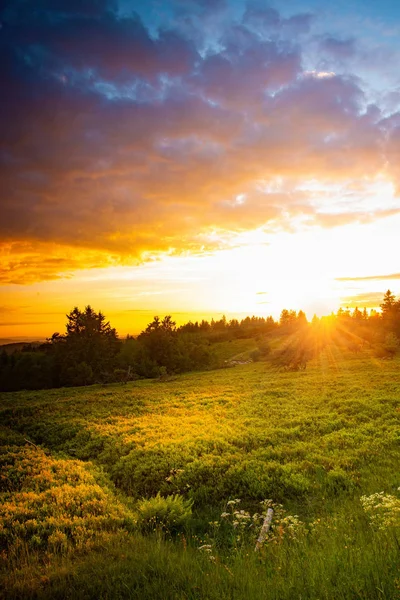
point(350, 561)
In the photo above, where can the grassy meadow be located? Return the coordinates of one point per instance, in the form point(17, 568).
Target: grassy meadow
point(157, 489)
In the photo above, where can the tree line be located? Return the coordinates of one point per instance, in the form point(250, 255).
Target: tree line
point(90, 350)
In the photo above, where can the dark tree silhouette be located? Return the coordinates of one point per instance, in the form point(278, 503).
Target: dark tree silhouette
point(390, 308)
point(87, 351)
point(388, 305)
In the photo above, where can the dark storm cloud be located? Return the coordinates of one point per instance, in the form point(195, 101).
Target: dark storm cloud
point(98, 41)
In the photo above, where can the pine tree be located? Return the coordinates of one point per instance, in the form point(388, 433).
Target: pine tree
point(388, 305)
point(87, 350)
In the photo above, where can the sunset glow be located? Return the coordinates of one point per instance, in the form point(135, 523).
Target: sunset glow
point(196, 158)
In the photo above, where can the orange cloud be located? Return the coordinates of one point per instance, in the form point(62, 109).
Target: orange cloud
point(367, 300)
point(371, 277)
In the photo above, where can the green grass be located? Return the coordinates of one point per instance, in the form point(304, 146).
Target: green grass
point(233, 350)
point(315, 441)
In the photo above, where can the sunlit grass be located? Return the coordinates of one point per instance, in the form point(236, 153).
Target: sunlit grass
point(315, 440)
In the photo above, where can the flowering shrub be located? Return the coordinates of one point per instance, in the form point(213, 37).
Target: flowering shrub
point(382, 509)
point(240, 521)
point(207, 549)
point(242, 527)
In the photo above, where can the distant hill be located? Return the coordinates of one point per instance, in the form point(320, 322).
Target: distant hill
point(16, 346)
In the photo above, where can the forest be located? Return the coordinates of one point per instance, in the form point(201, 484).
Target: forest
point(90, 350)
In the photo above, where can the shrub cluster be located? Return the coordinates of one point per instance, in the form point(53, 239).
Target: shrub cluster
point(54, 504)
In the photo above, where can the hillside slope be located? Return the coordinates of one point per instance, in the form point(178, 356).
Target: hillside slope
point(316, 441)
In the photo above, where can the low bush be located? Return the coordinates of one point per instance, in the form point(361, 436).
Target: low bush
point(171, 513)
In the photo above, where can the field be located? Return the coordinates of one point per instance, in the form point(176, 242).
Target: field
point(321, 445)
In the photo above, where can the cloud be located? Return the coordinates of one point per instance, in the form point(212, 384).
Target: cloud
point(259, 66)
point(93, 38)
point(392, 126)
point(367, 300)
point(118, 143)
point(337, 219)
point(338, 48)
point(6, 309)
point(267, 20)
point(21, 323)
point(370, 277)
point(30, 262)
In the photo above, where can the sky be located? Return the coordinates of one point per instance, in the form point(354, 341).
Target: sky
point(196, 158)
